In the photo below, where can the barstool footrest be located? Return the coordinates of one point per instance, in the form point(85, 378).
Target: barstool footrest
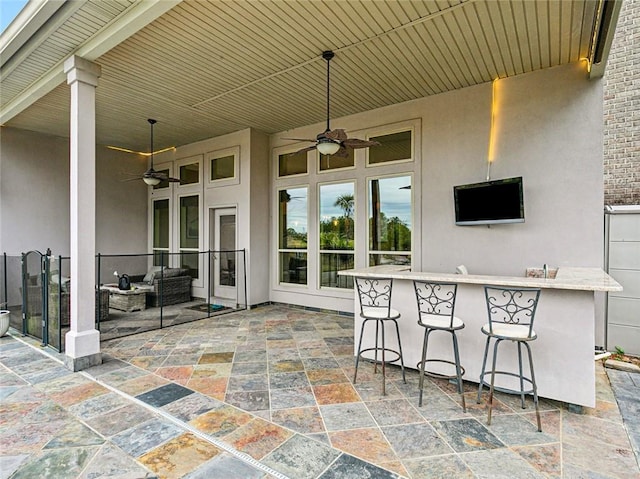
point(379, 361)
point(507, 390)
point(440, 375)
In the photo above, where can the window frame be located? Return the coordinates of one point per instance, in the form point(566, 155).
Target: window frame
point(320, 171)
point(179, 249)
point(280, 250)
point(390, 130)
point(319, 251)
point(368, 251)
point(285, 150)
point(152, 247)
point(212, 155)
point(195, 159)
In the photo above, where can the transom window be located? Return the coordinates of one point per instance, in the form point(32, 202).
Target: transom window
point(393, 147)
point(222, 168)
point(189, 174)
point(331, 162)
point(292, 164)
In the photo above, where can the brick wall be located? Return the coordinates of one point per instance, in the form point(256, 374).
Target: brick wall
point(622, 111)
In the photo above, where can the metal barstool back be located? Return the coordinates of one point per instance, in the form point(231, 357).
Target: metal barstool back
point(375, 305)
point(511, 313)
point(436, 305)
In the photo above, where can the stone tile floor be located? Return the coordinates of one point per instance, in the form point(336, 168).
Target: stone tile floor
point(267, 393)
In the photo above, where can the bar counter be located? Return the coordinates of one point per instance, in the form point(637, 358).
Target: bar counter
point(563, 354)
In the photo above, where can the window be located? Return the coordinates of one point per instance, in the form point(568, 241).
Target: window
point(292, 164)
point(189, 174)
point(328, 162)
point(189, 234)
point(224, 166)
point(337, 228)
point(390, 216)
point(392, 148)
point(292, 235)
point(161, 232)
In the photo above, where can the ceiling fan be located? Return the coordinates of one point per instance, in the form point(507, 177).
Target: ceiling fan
point(333, 142)
point(152, 177)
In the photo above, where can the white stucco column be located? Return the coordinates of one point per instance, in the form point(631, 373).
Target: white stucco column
point(82, 344)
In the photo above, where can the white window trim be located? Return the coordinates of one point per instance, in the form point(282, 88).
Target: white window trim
point(212, 155)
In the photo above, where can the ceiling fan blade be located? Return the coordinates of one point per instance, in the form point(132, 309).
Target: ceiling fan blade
point(135, 178)
point(337, 134)
point(304, 150)
point(161, 176)
point(357, 143)
point(299, 139)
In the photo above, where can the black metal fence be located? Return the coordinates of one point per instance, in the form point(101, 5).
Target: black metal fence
point(134, 292)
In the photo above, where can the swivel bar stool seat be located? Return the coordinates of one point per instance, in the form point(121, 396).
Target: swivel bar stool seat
point(511, 313)
point(436, 303)
point(375, 305)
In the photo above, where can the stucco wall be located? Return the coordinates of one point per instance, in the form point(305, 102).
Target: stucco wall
point(248, 195)
point(548, 129)
point(34, 196)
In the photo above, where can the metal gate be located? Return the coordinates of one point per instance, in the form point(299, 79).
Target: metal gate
point(34, 295)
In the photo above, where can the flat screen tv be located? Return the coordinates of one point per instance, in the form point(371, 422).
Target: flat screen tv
point(489, 202)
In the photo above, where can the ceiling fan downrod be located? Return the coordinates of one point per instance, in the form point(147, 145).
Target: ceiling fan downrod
point(151, 122)
point(328, 55)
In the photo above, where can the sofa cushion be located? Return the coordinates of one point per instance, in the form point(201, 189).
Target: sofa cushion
point(151, 274)
point(173, 272)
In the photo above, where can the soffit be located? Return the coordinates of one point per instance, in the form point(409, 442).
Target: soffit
point(204, 69)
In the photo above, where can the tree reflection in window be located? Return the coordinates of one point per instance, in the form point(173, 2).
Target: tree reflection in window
point(337, 234)
point(390, 215)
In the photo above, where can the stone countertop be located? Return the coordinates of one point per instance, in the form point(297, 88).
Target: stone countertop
point(577, 279)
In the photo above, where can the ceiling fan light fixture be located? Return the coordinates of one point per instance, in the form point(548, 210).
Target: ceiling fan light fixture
point(327, 146)
point(151, 181)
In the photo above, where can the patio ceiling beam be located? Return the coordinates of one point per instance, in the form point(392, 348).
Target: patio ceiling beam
point(135, 18)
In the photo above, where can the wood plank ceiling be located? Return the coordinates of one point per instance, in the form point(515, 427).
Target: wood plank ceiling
point(206, 68)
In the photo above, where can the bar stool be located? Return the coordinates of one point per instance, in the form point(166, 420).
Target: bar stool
point(511, 313)
point(375, 305)
point(436, 303)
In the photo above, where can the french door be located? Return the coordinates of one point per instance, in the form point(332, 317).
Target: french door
point(223, 242)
